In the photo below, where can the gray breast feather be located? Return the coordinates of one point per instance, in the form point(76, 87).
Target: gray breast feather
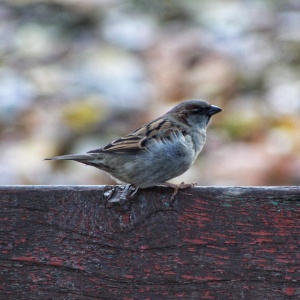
point(162, 160)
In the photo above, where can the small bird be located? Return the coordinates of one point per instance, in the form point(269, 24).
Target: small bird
point(157, 151)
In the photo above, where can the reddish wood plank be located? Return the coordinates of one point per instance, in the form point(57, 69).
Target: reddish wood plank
point(66, 242)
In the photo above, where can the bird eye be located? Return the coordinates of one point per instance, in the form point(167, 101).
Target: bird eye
point(200, 109)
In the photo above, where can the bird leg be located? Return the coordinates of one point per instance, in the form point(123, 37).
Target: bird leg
point(177, 187)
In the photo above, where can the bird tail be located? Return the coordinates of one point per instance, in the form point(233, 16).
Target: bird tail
point(77, 157)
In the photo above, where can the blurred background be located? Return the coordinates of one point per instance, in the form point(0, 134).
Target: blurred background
point(76, 74)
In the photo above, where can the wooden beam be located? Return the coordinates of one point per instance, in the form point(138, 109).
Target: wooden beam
point(78, 242)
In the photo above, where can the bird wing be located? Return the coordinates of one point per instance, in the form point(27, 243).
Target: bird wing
point(158, 130)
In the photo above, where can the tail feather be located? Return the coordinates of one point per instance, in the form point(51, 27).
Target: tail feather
point(78, 157)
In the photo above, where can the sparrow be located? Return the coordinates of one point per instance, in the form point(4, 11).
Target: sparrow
point(157, 151)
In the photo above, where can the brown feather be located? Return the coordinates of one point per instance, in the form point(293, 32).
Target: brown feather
point(158, 129)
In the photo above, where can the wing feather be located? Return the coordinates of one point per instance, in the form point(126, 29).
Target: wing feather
point(158, 130)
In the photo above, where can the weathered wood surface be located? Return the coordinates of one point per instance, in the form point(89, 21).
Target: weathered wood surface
point(66, 242)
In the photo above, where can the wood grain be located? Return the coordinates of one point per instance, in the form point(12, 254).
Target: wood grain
point(77, 242)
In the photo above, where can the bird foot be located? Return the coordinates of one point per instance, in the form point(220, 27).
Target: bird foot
point(177, 187)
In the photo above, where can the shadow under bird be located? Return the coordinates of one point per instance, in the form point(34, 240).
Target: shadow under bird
point(157, 151)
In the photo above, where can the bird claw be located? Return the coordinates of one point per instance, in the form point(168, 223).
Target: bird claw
point(177, 187)
point(183, 185)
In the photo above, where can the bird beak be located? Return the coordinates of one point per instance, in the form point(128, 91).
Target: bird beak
point(214, 110)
